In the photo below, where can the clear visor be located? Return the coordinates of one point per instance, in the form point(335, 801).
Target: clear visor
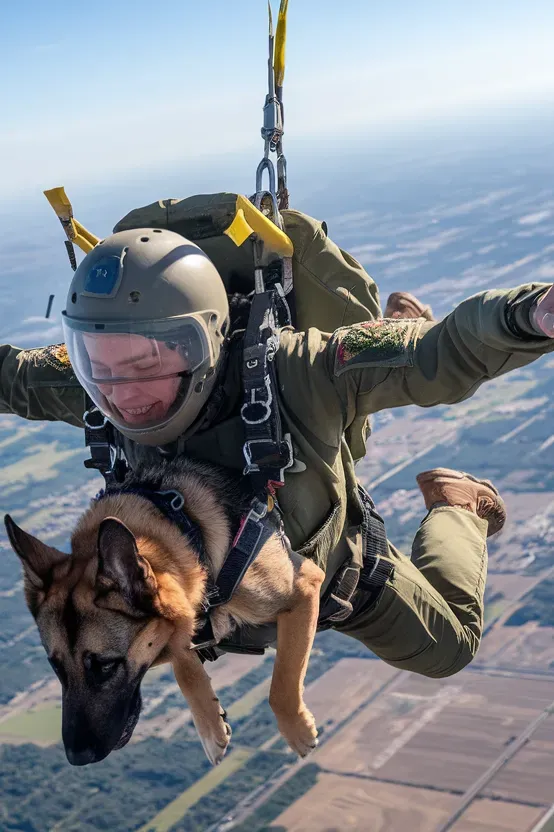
point(138, 379)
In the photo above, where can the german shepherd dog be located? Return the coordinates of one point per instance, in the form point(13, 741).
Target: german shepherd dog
point(130, 596)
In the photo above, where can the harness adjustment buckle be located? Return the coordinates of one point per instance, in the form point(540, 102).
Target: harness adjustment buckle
point(256, 403)
point(178, 500)
point(267, 453)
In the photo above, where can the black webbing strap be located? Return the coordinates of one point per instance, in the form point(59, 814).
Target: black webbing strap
point(255, 530)
point(105, 452)
point(377, 568)
point(267, 451)
point(171, 504)
point(336, 605)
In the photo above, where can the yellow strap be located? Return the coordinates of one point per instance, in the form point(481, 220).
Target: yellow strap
point(249, 220)
point(76, 232)
point(239, 230)
point(280, 43)
point(85, 239)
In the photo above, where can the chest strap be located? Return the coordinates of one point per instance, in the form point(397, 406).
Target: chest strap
point(267, 450)
point(103, 441)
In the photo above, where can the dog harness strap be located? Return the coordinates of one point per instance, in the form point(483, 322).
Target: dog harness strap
point(256, 528)
point(171, 503)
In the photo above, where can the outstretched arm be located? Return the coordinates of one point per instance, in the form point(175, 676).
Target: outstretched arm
point(387, 363)
point(40, 384)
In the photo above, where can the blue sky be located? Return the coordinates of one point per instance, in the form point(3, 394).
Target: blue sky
point(105, 89)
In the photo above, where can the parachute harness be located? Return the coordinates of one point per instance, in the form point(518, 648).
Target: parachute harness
point(267, 450)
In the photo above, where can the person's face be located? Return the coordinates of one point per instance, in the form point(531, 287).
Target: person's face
point(139, 399)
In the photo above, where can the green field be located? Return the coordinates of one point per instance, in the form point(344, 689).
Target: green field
point(175, 810)
point(234, 760)
point(246, 704)
point(42, 725)
point(494, 610)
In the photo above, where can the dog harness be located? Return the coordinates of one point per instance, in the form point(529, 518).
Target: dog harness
point(256, 527)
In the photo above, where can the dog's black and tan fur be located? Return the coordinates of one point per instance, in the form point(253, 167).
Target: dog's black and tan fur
point(129, 597)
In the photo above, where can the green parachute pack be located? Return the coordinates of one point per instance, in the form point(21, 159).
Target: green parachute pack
point(331, 289)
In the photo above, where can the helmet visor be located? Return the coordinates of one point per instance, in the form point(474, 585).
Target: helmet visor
point(139, 379)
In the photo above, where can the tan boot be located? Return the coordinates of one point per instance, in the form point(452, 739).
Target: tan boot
point(461, 490)
point(405, 305)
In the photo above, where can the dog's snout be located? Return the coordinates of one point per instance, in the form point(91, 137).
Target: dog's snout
point(82, 757)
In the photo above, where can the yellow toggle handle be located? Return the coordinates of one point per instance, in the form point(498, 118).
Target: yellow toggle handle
point(76, 232)
point(280, 43)
point(249, 220)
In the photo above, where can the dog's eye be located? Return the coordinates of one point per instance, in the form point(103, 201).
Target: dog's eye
point(101, 669)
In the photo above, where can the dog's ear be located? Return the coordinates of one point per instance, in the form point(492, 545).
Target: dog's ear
point(38, 562)
point(122, 568)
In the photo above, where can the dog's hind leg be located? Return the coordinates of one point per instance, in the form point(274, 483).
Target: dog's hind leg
point(296, 628)
point(207, 714)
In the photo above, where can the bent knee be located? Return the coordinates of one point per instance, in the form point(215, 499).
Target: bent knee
point(449, 665)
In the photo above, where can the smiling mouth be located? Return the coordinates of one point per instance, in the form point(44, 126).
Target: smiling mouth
point(138, 411)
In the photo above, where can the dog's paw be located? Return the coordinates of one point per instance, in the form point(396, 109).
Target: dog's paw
point(215, 742)
point(299, 730)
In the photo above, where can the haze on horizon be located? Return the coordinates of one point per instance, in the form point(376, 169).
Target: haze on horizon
point(97, 96)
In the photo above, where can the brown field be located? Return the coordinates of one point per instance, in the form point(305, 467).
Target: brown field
point(403, 763)
point(349, 804)
point(511, 586)
point(230, 668)
point(442, 733)
point(527, 648)
point(497, 640)
point(529, 775)
point(340, 690)
point(497, 816)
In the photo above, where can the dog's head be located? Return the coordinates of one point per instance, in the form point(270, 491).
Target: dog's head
point(104, 616)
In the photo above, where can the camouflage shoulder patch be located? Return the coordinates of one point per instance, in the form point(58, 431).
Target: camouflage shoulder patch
point(382, 343)
point(54, 356)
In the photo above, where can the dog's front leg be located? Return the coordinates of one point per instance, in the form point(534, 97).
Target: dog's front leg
point(296, 628)
point(207, 714)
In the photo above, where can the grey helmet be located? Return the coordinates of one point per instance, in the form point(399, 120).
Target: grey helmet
point(144, 325)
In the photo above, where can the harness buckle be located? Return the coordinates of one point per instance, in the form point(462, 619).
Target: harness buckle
point(178, 500)
point(255, 402)
point(93, 412)
point(267, 452)
point(211, 642)
point(258, 510)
